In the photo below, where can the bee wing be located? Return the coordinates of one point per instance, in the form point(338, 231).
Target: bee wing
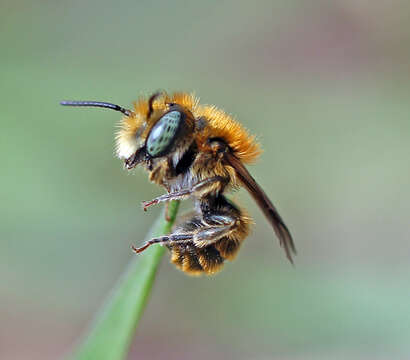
point(281, 230)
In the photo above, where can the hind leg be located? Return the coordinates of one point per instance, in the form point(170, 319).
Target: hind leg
point(202, 243)
point(201, 235)
point(219, 240)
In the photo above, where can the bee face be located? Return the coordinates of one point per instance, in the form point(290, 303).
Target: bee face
point(154, 133)
point(195, 151)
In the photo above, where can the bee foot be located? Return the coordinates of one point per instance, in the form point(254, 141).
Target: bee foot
point(147, 204)
point(140, 249)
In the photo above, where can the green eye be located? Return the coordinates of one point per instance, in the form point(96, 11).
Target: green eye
point(163, 133)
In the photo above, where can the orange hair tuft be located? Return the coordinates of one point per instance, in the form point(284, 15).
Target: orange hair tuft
point(221, 125)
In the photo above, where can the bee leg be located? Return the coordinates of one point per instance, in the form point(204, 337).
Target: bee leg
point(180, 195)
point(172, 238)
point(221, 226)
point(213, 184)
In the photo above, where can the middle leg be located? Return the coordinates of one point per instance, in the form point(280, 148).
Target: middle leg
point(214, 184)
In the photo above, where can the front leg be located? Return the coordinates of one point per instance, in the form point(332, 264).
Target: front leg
point(211, 185)
point(160, 172)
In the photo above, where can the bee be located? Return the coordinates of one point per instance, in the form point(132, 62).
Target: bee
point(195, 151)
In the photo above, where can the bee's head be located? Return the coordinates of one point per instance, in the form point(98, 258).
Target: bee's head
point(157, 127)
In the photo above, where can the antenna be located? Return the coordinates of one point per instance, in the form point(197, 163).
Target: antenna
point(106, 105)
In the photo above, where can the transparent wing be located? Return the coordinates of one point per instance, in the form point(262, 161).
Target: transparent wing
point(281, 230)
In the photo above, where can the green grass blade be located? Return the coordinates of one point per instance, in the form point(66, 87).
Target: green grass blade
point(112, 332)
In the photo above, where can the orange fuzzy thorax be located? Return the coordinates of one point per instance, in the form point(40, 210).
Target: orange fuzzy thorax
point(219, 125)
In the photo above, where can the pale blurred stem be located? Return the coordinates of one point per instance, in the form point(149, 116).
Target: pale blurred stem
point(112, 332)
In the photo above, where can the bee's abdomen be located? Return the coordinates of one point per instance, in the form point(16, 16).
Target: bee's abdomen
point(217, 234)
point(197, 261)
point(203, 260)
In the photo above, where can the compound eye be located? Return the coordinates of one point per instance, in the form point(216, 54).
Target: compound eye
point(163, 133)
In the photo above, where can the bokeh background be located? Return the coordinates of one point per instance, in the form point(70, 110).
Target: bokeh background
point(325, 86)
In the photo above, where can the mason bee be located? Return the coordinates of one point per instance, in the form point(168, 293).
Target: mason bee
point(195, 151)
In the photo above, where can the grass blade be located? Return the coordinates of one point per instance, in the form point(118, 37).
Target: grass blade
point(112, 332)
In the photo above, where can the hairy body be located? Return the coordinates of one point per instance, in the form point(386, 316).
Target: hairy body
point(196, 151)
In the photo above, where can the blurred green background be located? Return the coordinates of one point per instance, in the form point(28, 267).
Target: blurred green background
point(324, 85)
